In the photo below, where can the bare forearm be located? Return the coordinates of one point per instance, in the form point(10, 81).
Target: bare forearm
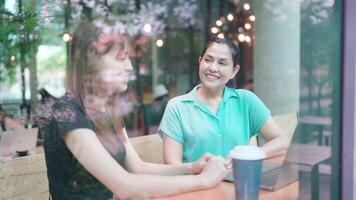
point(157, 186)
point(160, 169)
point(276, 147)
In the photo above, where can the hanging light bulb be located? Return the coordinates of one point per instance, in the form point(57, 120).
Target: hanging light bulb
point(252, 18)
point(219, 22)
point(247, 39)
point(147, 28)
point(12, 58)
point(66, 37)
point(247, 26)
point(214, 30)
point(241, 37)
point(159, 43)
point(247, 6)
point(221, 35)
point(230, 17)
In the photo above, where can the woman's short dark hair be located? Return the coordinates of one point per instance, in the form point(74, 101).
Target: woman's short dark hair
point(234, 49)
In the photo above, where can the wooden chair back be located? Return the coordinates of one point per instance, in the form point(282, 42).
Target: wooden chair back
point(149, 148)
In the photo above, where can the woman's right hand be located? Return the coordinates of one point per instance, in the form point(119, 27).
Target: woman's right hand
point(215, 171)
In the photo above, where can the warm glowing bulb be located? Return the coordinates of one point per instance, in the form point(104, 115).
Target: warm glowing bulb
point(230, 17)
point(221, 36)
point(159, 43)
point(252, 18)
point(247, 26)
point(241, 30)
point(219, 22)
point(147, 28)
point(214, 30)
point(66, 37)
point(247, 38)
point(241, 37)
point(12, 58)
point(247, 6)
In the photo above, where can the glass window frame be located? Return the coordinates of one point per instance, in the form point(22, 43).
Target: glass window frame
point(348, 139)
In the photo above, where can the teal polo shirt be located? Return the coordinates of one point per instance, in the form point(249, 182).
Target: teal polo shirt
point(188, 120)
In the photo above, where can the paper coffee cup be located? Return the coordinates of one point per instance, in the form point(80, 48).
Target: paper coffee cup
point(247, 166)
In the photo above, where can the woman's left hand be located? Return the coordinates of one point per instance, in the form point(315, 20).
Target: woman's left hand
point(199, 165)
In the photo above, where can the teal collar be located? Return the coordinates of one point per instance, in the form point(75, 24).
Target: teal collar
point(192, 96)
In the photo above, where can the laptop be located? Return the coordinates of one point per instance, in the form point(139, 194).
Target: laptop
point(274, 176)
point(22, 140)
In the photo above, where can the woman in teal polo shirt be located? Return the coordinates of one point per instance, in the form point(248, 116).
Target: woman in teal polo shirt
point(214, 118)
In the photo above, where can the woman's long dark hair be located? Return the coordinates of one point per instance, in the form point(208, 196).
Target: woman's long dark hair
point(83, 57)
point(80, 54)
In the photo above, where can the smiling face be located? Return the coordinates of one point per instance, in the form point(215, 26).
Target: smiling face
point(216, 67)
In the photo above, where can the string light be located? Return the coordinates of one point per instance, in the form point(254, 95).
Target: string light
point(241, 37)
point(214, 30)
point(13, 58)
point(247, 6)
point(66, 37)
point(247, 26)
point(243, 33)
point(147, 28)
point(221, 35)
point(230, 17)
point(159, 43)
point(247, 39)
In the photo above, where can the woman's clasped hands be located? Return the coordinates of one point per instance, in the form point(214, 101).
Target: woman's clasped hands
point(212, 169)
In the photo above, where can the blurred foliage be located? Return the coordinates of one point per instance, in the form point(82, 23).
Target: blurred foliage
point(55, 61)
point(18, 30)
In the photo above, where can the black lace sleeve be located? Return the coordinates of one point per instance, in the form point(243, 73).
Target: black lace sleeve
point(63, 116)
point(70, 116)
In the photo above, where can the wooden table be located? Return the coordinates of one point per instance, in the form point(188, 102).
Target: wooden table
point(307, 156)
point(26, 177)
point(226, 191)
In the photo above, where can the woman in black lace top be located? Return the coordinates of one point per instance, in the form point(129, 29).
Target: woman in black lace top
point(88, 153)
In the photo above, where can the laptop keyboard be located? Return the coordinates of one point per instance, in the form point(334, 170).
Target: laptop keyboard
point(269, 178)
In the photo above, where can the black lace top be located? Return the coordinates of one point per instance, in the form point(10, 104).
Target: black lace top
point(67, 177)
